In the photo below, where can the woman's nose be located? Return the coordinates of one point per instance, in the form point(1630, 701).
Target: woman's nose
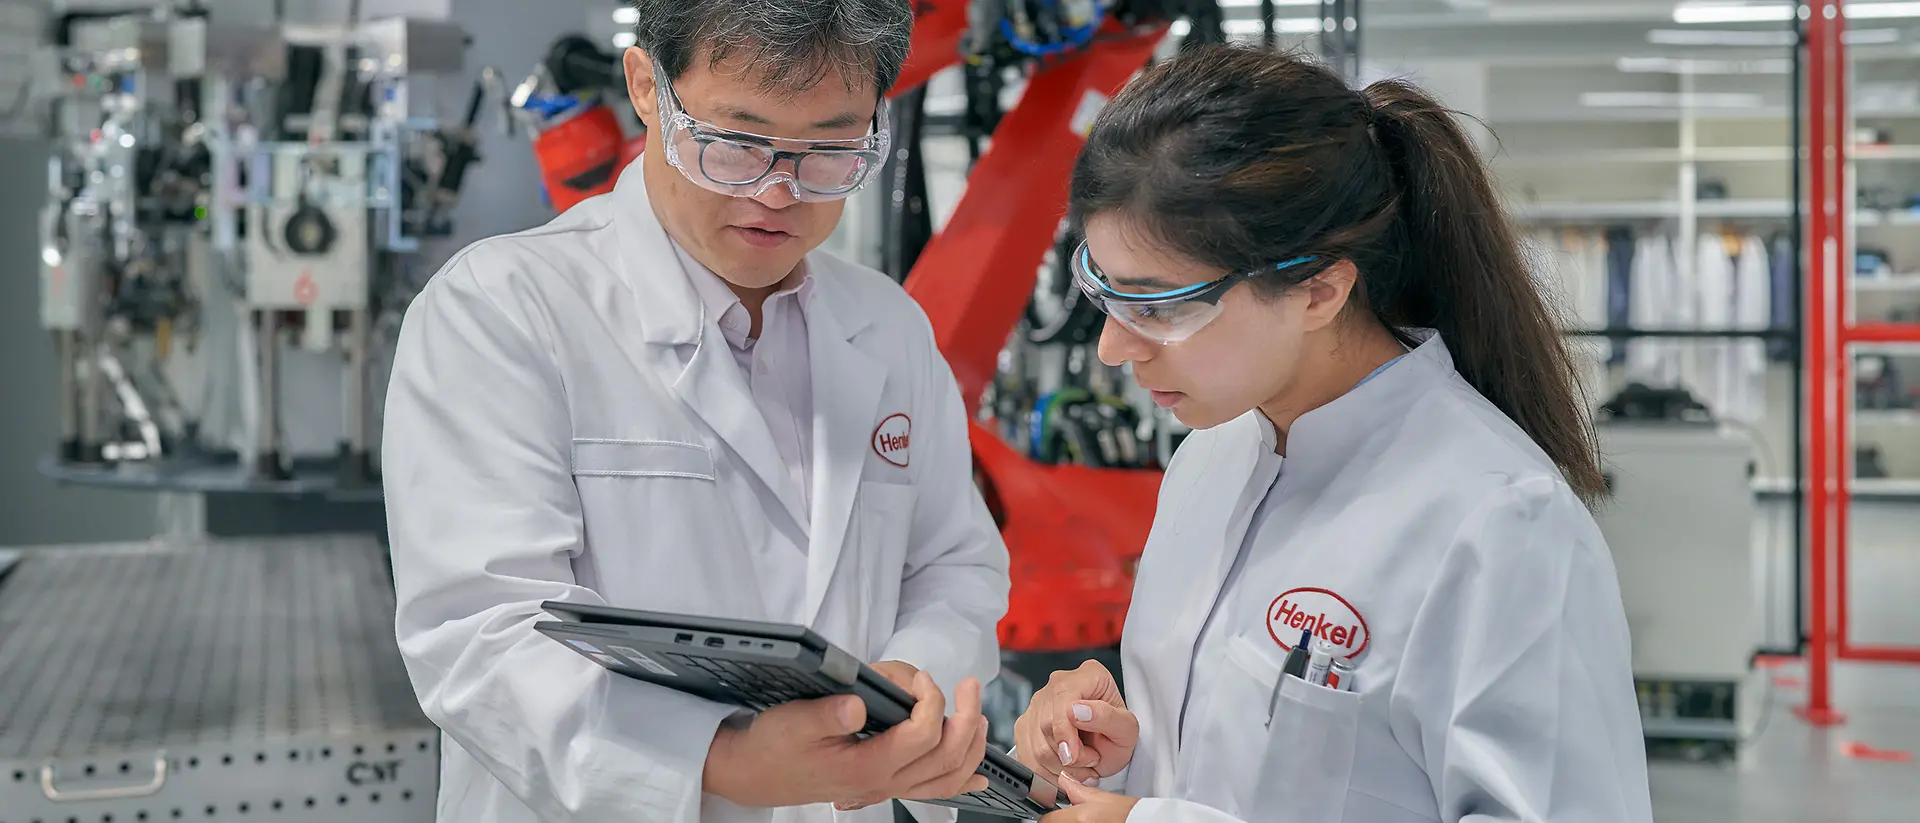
point(1119, 345)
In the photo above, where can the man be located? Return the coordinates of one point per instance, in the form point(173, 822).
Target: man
point(666, 399)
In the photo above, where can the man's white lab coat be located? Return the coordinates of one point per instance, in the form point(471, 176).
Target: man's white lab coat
point(566, 423)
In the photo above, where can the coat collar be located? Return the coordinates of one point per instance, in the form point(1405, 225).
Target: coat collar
point(1325, 439)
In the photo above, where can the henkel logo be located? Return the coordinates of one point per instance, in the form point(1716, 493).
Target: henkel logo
point(891, 439)
point(1329, 616)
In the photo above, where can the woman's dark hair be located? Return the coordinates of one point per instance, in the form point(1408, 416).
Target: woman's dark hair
point(1240, 158)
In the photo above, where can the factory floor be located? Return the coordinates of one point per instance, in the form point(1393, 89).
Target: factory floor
point(1862, 771)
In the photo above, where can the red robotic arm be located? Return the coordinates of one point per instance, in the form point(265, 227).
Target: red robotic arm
point(1074, 533)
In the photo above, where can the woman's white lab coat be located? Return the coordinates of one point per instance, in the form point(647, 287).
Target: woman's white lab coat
point(1421, 531)
point(565, 423)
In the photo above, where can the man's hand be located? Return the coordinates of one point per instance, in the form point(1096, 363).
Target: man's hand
point(1077, 724)
point(1091, 805)
point(804, 752)
point(900, 673)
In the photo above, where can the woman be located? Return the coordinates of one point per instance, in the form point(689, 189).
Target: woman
point(1389, 456)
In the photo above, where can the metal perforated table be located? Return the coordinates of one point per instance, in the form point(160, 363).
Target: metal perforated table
point(207, 680)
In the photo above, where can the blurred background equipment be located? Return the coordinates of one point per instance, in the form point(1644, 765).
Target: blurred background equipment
point(228, 198)
point(1680, 525)
point(223, 199)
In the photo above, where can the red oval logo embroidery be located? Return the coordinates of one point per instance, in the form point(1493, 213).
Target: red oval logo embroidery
point(892, 438)
point(1329, 616)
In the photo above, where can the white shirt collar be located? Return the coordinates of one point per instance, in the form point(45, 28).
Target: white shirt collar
point(723, 307)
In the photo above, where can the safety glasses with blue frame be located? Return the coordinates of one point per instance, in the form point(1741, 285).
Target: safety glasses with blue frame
point(1165, 316)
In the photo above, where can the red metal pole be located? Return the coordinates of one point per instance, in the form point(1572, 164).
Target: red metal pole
point(1822, 38)
point(1842, 354)
point(1883, 333)
point(1883, 654)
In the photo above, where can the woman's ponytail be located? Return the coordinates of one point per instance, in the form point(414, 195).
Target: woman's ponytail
point(1462, 273)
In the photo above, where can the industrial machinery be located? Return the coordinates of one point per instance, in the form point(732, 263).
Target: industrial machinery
point(236, 219)
point(223, 200)
point(127, 175)
point(1679, 523)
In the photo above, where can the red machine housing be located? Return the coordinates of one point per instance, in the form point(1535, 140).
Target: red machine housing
point(1074, 534)
point(583, 156)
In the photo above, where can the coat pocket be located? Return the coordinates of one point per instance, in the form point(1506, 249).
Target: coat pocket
point(601, 457)
point(1307, 766)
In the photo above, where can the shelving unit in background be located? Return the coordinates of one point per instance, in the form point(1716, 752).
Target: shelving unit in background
point(1595, 167)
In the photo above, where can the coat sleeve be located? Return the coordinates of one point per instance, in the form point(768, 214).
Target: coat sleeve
point(1516, 691)
point(954, 591)
point(485, 522)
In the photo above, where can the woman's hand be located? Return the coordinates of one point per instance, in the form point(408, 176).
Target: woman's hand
point(1091, 805)
point(1077, 724)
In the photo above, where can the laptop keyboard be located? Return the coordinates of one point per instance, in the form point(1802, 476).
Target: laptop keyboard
point(762, 687)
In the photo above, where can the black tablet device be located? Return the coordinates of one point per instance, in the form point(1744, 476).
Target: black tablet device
point(757, 666)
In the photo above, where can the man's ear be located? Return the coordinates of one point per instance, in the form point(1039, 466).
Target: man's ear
point(1328, 293)
point(640, 86)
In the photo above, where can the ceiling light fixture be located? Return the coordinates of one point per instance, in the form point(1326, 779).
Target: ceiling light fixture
point(1717, 37)
point(1696, 12)
point(1880, 11)
point(1726, 13)
point(1668, 100)
point(1671, 65)
point(1284, 25)
point(1870, 37)
point(626, 15)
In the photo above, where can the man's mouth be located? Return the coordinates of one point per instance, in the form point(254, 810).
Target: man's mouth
point(762, 237)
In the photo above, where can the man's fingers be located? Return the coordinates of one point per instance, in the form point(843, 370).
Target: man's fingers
point(905, 743)
point(963, 742)
point(817, 719)
point(966, 698)
point(960, 779)
point(1103, 718)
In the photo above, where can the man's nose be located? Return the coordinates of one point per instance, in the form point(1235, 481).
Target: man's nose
point(777, 191)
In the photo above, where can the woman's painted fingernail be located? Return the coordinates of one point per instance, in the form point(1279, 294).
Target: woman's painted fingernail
point(1091, 782)
point(1082, 712)
point(1066, 754)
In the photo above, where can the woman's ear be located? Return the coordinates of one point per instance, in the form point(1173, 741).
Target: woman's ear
point(1328, 293)
point(640, 86)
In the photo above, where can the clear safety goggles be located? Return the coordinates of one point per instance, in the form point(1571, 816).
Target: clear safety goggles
point(1166, 316)
point(743, 164)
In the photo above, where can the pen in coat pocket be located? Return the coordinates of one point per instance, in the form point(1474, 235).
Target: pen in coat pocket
point(1295, 666)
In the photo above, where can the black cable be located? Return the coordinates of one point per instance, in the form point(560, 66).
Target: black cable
point(1266, 25)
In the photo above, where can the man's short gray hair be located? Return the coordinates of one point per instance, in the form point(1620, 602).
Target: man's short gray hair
point(790, 45)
